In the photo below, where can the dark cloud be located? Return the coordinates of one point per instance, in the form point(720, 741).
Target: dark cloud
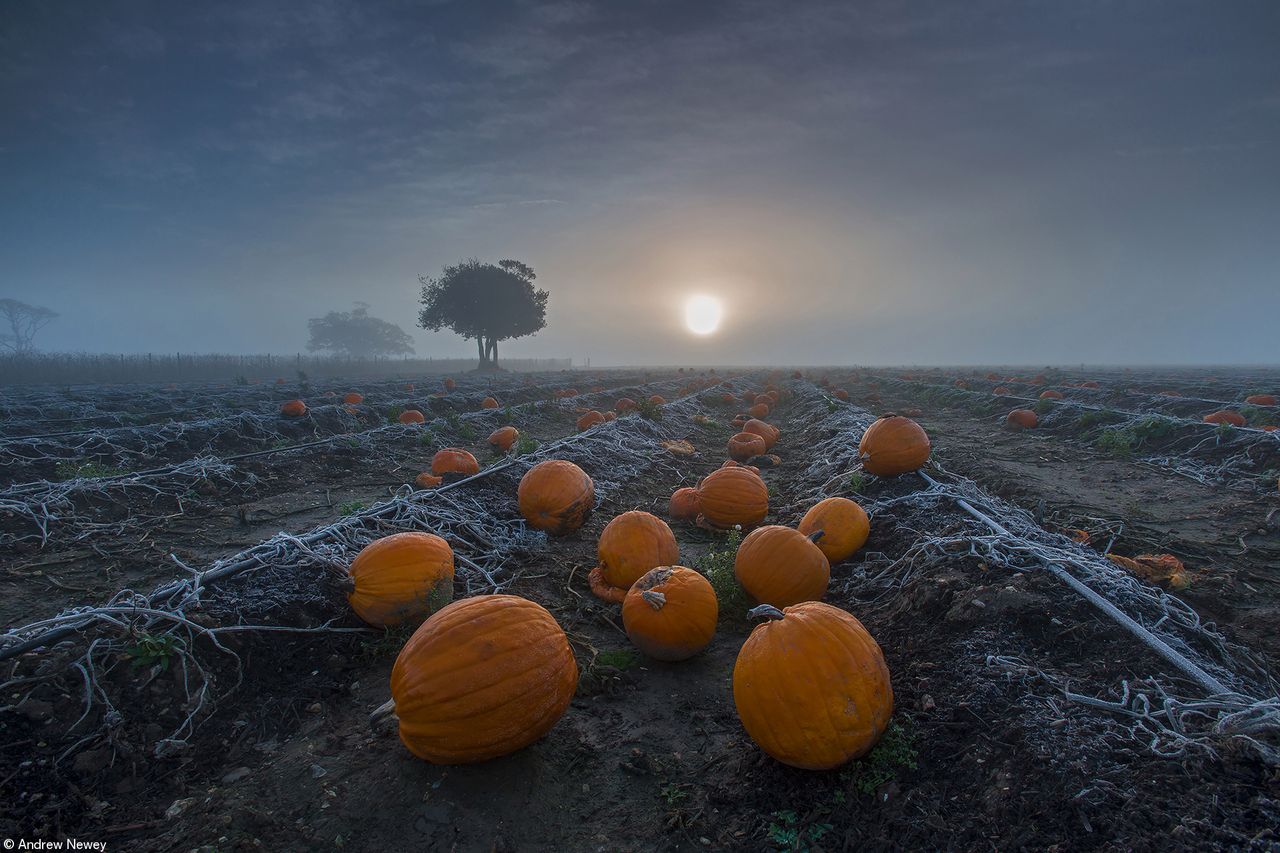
point(862, 181)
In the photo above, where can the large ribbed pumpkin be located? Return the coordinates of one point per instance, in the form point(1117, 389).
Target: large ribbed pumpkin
point(684, 504)
point(670, 613)
point(844, 525)
point(293, 409)
point(1020, 419)
point(482, 678)
point(733, 496)
point(590, 419)
point(1261, 399)
point(811, 686)
point(412, 416)
point(556, 496)
point(454, 460)
point(401, 577)
point(893, 445)
point(503, 438)
point(630, 545)
point(767, 431)
point(745, 445)
point(781, 566)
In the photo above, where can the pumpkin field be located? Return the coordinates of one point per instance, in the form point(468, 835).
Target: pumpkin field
point(740, 609)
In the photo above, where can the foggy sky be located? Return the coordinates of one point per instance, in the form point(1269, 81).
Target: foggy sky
point(884, 182)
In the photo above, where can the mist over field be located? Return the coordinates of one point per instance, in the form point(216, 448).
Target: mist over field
point(866, 182)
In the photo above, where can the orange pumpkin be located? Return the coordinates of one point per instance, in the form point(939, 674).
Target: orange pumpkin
point(1020, 419)
point(657, 400)
point(733, 463)
point(630, 545)
point(503, 438)
point(763, 398)
point(768, 432)
point(1051, 395)
point(842, 394)
point(1089, 383)
point(1261, 399)
point(353, 399)
point(811, 686)
point(684, 504)
point(401, 577)
point(293, 409)
point(759, 410)
point(488, 403)
point(412, 416)
point(733, 496)
point(482, 678)
point(427, 481)
point(781, 566)
point(670, 613)
point(1002, 391)
point(893, 445)
point(727, 399)
point(449, 385)
point(589, 420)
point(454, 460)
point(556, 496)
point(624, 404)
point(844, 525)
point(745, 445)
point(610, 416)
point(1225, 416)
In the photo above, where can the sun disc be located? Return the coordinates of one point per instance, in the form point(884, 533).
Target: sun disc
point(702, 314)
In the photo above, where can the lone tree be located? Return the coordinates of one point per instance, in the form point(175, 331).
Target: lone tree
point(488, 302)
point(357, 335)
point(23, 322)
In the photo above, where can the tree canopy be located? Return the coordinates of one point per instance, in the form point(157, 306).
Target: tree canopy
point(487, 302)
point(357, 335)
point(23, 321)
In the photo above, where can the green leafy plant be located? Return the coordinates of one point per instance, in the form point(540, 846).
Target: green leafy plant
point(857, 482)
point(72, 470)
point(1117, 442)
point(467, 432)
point(525, 445)
point(789, 833)
point(394, 413)
point(427, 438)
point(152, 650)
point(351, 507)
point(649, 410)
point(1044, 406)
point(508, 415)
point(717, 565)
point(620, 659)
point(388, 643)
point(895, 751)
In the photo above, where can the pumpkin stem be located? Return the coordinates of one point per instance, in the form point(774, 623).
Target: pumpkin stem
point(380, 713)
point(768, 611)
point(654, 599)
point(816, 535)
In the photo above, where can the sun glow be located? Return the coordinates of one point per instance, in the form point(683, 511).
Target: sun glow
point(702, 314)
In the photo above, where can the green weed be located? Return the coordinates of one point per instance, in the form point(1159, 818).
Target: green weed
point(895, 751)
point(71, 470)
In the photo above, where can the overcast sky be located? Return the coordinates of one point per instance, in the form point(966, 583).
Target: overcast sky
point(883, 182)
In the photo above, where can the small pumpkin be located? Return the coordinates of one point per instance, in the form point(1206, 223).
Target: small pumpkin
point(412, 416)
point(449, 384)
point(401, 577)
point(1225, 416)
point(589, 420)
point(727, 399)
point(1261, 399)
point(684, 504)
point(293, 409)
point(744, 445)
point(427, 480)
point(844, 525)
point(454, 460)
point(624, 404)
point(811, 686)
point(482, 678)
point(556, 496)
point(657, 400)
point(767, 431)
point(503, 438)
point(630, 545)
point(1050, 395)
point(842, 394)
point(893, 445)
point(488, 403)
point(1020, 419)
point(763, 398)
point(353, 399)
point(1002, 391)
point(670, 613)
point(733, 496)
point(610, 416)
point(781, 566)
point(759, 410)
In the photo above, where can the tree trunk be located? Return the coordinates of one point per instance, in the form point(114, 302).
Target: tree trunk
point(493, 351)
point(480, 347)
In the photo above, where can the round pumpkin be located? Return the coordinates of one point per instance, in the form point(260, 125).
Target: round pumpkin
point(1261, 399)
point(657, 400)
point(589, 420)
point(427, 481)
point(556, 496)
point(482, 678)
point(767, 431)
point(733, 496)
point(1051, 395)
point(781, 566)
point(624, 404)
point(1225, 416)
point(401, 577)
point(893, 445)
point(353, 399)
point(670, 613)
point(745, 445)
point(811, 686)
point(454, 460)
point(503, 438)
point(684, 504)
point(759, 410)
point(412, 416)
point(1002, 391)
point(842, 394)
point(1020, 419)
point(844, 525)
point(293, 409)
point(488, 403)
point(630, 545)
point(449, 384)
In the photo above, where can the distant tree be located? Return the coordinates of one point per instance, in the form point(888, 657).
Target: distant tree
point(23, 322)
point(357, 335)
point(488, 302)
